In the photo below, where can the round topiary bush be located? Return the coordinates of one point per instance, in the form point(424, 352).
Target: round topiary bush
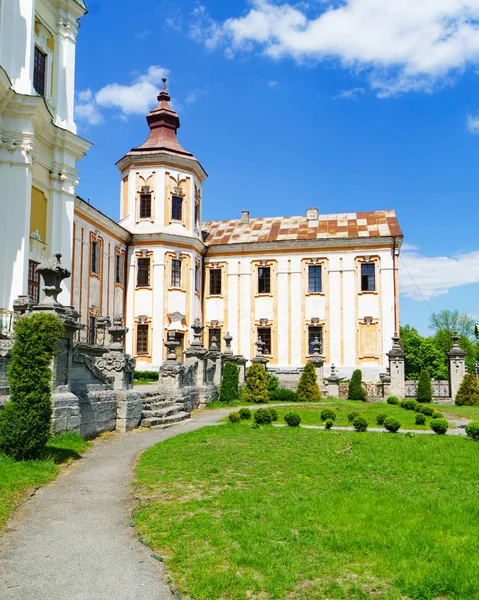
point(283, 395)
point(468, 392)
point(229, 383)
point(245, 414)
point(355, 389)
point(292, 419)
point(424, 388)
point(392, 424)
point(352, 415)
point(308, 390)
point(472, 430)
point(360, 424)
point(234, 417)
point(409, 404)
point(327, 413)
point(381, 418)
point(439, 426)
point(262, 416)
point(274, 414)
point(437, 415)
point(393, 400)
point(420, 419)
point(329, 423)
point(256, 388)
point(426, 410)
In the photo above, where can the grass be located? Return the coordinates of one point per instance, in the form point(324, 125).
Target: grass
point(20, 478)
point(466, 412)
point(287, 513)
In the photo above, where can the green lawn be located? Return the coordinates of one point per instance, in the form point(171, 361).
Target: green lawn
point(466, 412)
point(287, 513)
point(19, 478)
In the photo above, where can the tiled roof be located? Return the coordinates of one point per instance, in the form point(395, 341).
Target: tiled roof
point(349, 225)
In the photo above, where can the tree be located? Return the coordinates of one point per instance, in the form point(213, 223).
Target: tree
point(308, 390)
point(229, 383)
point(424, 388)
point(256, 388)
point(468, 392)
point(444, 342)
point(423, 354)
point(355, 389)
point(452, 320)
point(25, 421)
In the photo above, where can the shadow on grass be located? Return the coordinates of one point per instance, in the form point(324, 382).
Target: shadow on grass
point(60, 455)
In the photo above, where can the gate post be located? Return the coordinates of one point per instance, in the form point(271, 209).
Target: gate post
point(396, 368)
point(457, 366)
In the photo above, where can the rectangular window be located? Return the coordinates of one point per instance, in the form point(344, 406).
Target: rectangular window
point(368, 277)
point(143, 273)
point(119, 269)
point(264, 334)
point(177, 208)
point(95, 263)
point(176, 273)
point(39, 71)
point(215, 282)
point(33, 281)
point(313, 334)
point(216, 334)
point(92, 331)
point(145, 206)
point(198, 278)
point(197, 215)
point(315, 284)
point(142, 332)
point(264, 280)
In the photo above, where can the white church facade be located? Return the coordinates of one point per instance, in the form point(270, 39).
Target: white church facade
point(286, 281)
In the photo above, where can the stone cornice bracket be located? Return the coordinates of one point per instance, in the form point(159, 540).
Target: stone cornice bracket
point(68, 27)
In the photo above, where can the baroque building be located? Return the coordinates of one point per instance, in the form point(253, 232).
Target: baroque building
point(39, 147)
point(286, 281)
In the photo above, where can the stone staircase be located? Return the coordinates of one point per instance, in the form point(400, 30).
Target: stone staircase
point(159, 412)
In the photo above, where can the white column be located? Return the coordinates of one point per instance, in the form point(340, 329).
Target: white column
point(64, 63)
point(17, 43)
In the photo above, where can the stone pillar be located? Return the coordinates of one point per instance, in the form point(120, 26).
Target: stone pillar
point(333, 383)
point(259, 358)
point(317, 361)
point(115, 364)
point(171, 371)
point(195, 356)
point(386, 383)
point(396, 368)
point(457, 366)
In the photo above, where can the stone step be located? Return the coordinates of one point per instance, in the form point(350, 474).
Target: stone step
point(163, 421)
point(159, 405)
point(161, 411)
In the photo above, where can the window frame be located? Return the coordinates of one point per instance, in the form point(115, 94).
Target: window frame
point(175, 274)
point(145, 340)
point(33, 281)
point(214, 281)
point(178, 207)
point(365, 278)
point(263, 280)
point(92, 329)
point(119, 268)
point(267, 351)
point(212, 331)
point(143, 260)
point(314, 279)
point(38, 73)
point(311, 338)
point(198, 278)
point(145, 215)
point(94, 257)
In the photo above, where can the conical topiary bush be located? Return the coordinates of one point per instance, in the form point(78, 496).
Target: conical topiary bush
point(308, 390)
point(256, 388)
point(355, 389)
point(229, 383)
point(424, 388)
point(468, 392)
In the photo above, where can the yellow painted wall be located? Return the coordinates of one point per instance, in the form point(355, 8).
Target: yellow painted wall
point(38, 214)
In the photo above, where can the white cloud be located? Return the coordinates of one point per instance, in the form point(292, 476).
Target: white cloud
point(436, 275)
point(195, 94)
point(134, 99)
point(406, 45)
point(272, 83)
point(351, 94)
point(473, 123)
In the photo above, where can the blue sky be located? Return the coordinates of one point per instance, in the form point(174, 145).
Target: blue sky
point(351, 105)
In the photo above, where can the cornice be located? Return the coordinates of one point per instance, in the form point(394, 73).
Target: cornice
point(162, 159)
point(156, 239)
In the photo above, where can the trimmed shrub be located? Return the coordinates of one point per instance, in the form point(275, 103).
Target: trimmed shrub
point(245, 414)
point(255, 426)
point(328, 423)
point(420, 419)
point(283, 395)
point(273, 383)
point(234, 417)
point(381, 418)
point(439, 426)
point(392, 424)
point(352, 415)
point(292, 419)
point(426, 410)
point(256, 388)
point(26, 421)
point(262, 416)
point(274, 414)
point(424, 388)
point(409, 404)
point(146, 376)
point(393, 400)
point(437, 415)
point(229, 383)
point(327, 413)
point(355, 389)
point(472, 430)
point(468, 392)
point(360, 424)
point(308, 390)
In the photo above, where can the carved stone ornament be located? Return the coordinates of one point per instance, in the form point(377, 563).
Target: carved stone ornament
point(117, 333)
point(228, 338)
point(53, 273)
point(171, 370)
point(110, 363)
point(197, 333)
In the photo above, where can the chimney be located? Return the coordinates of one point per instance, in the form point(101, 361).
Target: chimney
point(312, 214)
point(244, 217)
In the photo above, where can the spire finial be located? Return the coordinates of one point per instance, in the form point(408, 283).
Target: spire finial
point(164, 92)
